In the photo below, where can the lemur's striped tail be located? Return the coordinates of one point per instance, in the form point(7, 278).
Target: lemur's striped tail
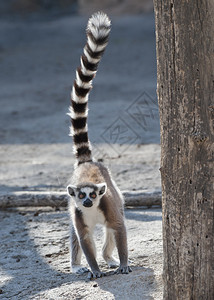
point(97, 31)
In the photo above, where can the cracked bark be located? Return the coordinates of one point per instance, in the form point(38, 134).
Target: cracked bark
point(185, 88)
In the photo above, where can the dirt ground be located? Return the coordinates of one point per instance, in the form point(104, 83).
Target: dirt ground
point(35, 258)
point(38, 60)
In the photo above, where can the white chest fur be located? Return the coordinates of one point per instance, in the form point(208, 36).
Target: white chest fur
point(92, 216)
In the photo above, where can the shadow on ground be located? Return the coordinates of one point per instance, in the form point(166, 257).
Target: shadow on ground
point(35, 260)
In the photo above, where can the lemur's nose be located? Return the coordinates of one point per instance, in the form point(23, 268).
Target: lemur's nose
point(87, 203)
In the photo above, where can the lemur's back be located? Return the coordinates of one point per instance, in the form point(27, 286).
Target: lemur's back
point(87, 172)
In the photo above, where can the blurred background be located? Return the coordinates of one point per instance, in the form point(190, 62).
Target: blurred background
point(41, 42)
point(40, 46)
point(61, 7)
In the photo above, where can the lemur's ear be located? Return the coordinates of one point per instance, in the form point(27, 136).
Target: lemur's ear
point(71, 189)
point(102, 188)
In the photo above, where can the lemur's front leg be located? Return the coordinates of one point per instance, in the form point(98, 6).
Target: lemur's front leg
point(88, 247)
point(121, 242)
point(76, 253)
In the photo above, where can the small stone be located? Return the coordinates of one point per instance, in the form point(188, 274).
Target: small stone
point(36, 213)
point(95, 285)
point(48, 255)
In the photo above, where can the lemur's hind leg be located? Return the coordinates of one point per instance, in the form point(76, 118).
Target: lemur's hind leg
point(76, 254)
point(108, 248)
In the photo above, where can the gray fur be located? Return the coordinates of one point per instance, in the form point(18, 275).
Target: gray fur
point(107, 209)
point(89, 177)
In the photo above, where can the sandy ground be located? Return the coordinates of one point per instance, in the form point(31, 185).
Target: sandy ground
point(37, 61)
point(35, 258)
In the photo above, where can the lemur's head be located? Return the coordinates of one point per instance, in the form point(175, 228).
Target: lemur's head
point(87, 194)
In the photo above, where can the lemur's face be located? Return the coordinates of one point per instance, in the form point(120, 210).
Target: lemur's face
point(87, 194)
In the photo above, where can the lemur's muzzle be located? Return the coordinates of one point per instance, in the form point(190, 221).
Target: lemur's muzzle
point(87, 203)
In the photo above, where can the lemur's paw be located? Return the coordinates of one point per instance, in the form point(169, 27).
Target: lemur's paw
point(113, 263)
point(123, 270)
point(79, 270)
point(95, 274)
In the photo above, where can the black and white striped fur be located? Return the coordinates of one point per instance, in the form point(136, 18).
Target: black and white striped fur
point(98, 30)
point(94, 196)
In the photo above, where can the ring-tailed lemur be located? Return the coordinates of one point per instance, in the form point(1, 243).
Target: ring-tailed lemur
point(95, 198)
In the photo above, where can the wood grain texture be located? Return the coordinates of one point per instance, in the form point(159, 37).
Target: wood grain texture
point(185, 88)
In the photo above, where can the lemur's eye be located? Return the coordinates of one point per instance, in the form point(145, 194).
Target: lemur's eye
point(82, 195)
point(93, 195)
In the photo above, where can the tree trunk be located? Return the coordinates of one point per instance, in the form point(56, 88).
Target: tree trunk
point(185, 76)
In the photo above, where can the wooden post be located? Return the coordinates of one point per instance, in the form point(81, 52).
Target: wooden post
point(185, 88)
